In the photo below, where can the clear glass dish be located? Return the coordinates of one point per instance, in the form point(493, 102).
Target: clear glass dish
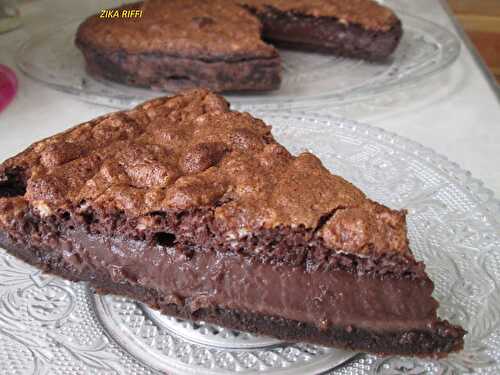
point(309, 79)
point(9, 16)
point(51, 326)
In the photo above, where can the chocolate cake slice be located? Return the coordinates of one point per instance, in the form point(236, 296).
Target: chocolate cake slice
point(217, 44)
point(196, 210)
point(355, 28)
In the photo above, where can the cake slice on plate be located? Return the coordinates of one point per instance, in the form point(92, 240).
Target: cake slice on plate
point(196, 210)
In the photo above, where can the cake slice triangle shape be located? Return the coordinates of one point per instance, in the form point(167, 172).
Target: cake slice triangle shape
point(196, 210)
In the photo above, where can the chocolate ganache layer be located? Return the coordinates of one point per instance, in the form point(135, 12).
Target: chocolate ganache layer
point(196, 210)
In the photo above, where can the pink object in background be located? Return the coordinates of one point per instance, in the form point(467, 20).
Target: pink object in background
point(8, 86)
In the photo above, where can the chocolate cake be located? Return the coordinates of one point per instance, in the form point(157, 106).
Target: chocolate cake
point(354, 28)
point(218, 44)
point(197, 211)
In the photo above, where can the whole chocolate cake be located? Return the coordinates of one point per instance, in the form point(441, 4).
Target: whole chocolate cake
point(196, 210)
point(218, 44)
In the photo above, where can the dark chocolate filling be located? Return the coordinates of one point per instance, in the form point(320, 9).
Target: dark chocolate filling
point(190, 269)
point(328, 308)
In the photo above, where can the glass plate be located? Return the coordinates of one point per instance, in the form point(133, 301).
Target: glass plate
point(51, 57)
point(51, 326)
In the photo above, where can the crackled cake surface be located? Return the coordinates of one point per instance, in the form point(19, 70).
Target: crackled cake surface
point(217, 28)
point(188, 28)
point(191, 151)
